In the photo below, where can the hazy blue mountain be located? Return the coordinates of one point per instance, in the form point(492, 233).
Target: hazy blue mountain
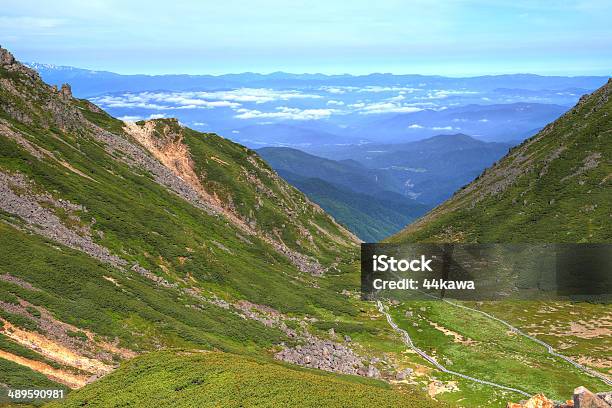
point(317, 110)
point(429, 170)
point(373, 189)
point(348, 174)
point(87, 82)
point(371, 217)
point(280, 134)
point(498, 122)
point(364, 200)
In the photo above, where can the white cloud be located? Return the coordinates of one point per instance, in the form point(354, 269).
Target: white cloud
point(130, 118)
point(256, 95)
point(415, 126)
point(334, 102)
point(338, 89)
point(445, 93)
point(157, 116)
point(286, 113)
point(199, 99)
point(377, 89)
point(442, 128)
point(387, 107)
point(200, 124)
point(483, 120)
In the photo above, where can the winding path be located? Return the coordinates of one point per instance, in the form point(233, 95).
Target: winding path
point(408, 341)
point(548, 347)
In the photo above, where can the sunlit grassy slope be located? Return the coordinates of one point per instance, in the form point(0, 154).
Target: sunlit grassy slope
point(188, 379)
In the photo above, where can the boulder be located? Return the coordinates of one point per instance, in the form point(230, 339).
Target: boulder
point(402, 375)
point(584, 398)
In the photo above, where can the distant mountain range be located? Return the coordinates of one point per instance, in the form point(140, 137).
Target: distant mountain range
point(88, 83)
point(497, 122)
point(314, 110)
point(553, 187)
point(427, 170)
point(375, 190)
point(361, 199)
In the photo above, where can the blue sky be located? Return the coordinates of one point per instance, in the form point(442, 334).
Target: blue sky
point(446, 37)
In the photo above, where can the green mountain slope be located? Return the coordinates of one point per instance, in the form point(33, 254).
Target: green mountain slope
point(122, 239)
point(187, 379)
point(554, 187)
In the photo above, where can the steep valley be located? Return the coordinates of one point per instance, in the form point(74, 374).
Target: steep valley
point(149, 262)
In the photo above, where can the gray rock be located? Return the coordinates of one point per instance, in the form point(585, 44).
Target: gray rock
point(606, 396)
point(402, 375)
point(329, 356)
point(584, 398)
point(66, 92)
point(6, 58)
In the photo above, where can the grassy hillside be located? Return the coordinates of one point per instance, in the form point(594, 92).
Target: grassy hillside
point(187, 379)
point(118, 240)
point(554, 187)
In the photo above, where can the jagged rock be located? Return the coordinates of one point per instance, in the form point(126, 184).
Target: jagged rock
point(373, 372)
point(584, 398)
point(606, 396)
point(6, 58)
point(347, 338)
point(66, 92)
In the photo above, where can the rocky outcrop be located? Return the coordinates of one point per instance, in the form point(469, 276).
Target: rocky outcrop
point(26, 98)
point(6, 58)
point(329, 356)
point(66, 92)
point(584, 398)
